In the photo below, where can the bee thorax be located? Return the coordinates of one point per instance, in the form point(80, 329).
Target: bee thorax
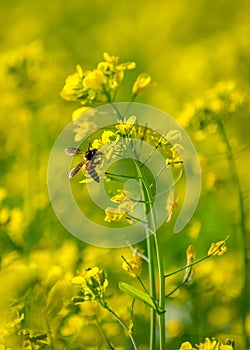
point(90, 154)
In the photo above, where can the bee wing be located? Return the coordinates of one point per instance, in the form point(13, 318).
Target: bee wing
point(97, 159)
point(71, 151)
point(75, 170)
point(92, 172)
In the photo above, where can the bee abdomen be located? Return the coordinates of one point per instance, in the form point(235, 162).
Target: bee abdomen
point(90, 168)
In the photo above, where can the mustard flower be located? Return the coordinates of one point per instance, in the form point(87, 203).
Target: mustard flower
point(218, 248)
point(85, 86)
point(209, 345)
point(98, 85)
point(111, 59)
point(121, 196)
point(125, 126)
point(115, 214)
point(175, 155)
point(186, 346)
point(113, 70)
point(93, 282)
point(142, 83)
point(115, 59)
point(143, 133)
point(117, 77)
point(125, 198)
point(167, 140)
point(189, 272)
point(133, 265)
point(73, 89)
point(126, 204)
point(229, 345)
point(190, 252)
point(107, 137)
point(170, 205)
point(94, 80)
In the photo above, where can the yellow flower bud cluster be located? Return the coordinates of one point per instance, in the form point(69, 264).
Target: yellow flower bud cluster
point(142, 84)
point(98, 85)
point(133, 265)
point(218, 248)
point(93, 282)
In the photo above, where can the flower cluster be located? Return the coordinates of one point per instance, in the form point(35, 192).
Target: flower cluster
point(98, 85)
point(133, 265)
point(126, 205)
point(218, 248)
point(93, 282)
point(126, 126)
point(218, 104)
point(209, 344)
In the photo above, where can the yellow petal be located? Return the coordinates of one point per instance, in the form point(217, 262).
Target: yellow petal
point(77, 280)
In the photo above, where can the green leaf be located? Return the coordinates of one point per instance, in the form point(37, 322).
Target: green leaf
point(137, 294)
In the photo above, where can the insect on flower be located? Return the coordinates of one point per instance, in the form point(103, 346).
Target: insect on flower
point(91, 160)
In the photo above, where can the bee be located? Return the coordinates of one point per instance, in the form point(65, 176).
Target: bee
point(91, 160)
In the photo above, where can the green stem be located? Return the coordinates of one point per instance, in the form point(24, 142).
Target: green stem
point(120, 321)
point(181, 284)
point(161, 278)
point(108, 344)
point(197, 261)
point(243, 229)
point(151, 267)
point(152, 286)
point(121, 176)
point(153, 244)
point(127, 109)
point(111, 101)
point(161, 295)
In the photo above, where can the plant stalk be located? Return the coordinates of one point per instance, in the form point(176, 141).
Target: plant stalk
point(151, 263)
point(243, 230)
point(160, 271)
point(154, 251)
point(119, 320)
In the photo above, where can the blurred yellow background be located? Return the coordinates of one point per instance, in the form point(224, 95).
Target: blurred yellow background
point(187, 47)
